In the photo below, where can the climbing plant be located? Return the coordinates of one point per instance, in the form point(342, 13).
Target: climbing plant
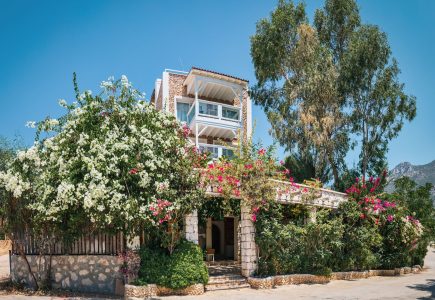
point(249, 176)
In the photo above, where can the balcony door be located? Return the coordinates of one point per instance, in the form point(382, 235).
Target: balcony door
point(182, 110)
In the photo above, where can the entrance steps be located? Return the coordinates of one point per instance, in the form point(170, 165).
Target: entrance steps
point(225, 275)
point(226, 282)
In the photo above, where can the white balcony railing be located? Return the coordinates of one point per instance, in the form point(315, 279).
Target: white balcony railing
point(213, 111)
point(216, 151)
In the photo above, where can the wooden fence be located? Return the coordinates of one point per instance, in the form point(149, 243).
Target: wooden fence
point(89, 244)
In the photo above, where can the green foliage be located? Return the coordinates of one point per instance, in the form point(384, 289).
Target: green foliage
point(303, 167)
point(289, 248)
point(324, 84)
point(218, 208)
point(183, 268)
point(361, 240)
point(8, 148)
point(335, 23)
point(371, 230)
point(418, 201)
point(347, 179)
point(379, 105)
point(111, 163)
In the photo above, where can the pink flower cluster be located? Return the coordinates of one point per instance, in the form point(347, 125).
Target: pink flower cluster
point(413, 220)
point(161, 210)
point(262, 152)
point(376, 206)
point(254, 213)
point(186, 130)
point(218, 173)
point(363, 187)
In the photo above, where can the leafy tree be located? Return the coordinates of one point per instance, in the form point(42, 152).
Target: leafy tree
point(335, 23)
point(319, 86)
point(301, 95)
point(302, 167)
point(379, 105)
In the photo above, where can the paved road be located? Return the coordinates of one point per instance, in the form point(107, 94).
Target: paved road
point(411, 286)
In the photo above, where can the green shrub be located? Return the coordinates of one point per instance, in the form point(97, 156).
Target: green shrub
point(322, 245)
point(184, 267)
point(280, 248)
point(361, 240)
point(289, 248)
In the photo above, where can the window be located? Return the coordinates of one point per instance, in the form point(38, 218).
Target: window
point(228, 153)
point(230, 113)
point(209, 149)
point(182, 110)
point(208, 109)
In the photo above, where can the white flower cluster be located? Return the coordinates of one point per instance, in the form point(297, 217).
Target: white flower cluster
point(108, 161)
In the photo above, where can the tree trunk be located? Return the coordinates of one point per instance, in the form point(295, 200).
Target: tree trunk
point(334, 170)
point(364, 152)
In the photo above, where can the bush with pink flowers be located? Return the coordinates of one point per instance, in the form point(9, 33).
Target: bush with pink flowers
point(371, 230)
point(247, 176)
point(400, 232)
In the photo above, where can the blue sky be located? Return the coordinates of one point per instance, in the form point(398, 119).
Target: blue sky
point(43, 42)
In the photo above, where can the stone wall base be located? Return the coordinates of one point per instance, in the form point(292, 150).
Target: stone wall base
point(133, 292)
point(84, 273)
point(270, 282)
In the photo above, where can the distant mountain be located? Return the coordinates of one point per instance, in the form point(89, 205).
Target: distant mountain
point(420, 174)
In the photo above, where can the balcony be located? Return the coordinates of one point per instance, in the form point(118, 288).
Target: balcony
point(214, 119)
point(216, 151)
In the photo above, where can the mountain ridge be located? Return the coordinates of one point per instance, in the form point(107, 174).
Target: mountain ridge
point(421, 174)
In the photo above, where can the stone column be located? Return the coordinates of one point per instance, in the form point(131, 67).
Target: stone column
point(312, 214)
point(248, 247)
point(191, 227)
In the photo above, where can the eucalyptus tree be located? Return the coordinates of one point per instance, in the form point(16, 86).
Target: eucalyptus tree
point(321, 85)
point(378, 103)
point(297, 86)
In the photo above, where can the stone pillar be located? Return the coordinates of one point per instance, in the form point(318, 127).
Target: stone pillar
point(312, 214)
point(208, 234)
point(191, 227)
point(248, 247)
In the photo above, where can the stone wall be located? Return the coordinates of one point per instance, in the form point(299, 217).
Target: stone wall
point(86, 273)
point(191, 227)
point(176, 88)
point(248, 246)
